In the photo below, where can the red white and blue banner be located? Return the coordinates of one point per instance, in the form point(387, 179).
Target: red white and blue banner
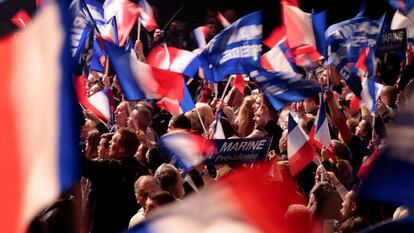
point(40, 141)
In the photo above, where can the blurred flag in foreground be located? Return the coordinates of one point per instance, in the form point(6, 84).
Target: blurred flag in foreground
point(249, 201)
point(39, 141)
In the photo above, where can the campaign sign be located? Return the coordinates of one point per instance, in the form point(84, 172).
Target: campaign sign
point(244, 150)
point(393, 40)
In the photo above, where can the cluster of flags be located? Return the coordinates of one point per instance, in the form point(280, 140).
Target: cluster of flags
point(100, 33)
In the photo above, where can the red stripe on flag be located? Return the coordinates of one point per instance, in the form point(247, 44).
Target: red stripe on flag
point(301, 158)
point(21, 19)
point(239, 83)
point(10, 178)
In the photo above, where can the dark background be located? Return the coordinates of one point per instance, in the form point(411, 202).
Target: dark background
point(195, 11)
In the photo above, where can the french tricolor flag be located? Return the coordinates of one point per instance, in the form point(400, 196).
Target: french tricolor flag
point(279, 58)
point(300, 35)
point(126, 14)
point(300, 150)
point(369, 95)
point(99, 103)
point(146, 16)
point(243, 202)
point(176, 107)
point(200, 35)
point(110, 31)
point(319, 134)
point(140, 80)
point(187, 149)
point(39, 144)
point(174, 59)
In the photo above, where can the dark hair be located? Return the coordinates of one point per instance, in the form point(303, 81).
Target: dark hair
point(341, 150)
point(108, 137)
point(181, 122)
point(161, 197)
point(328, 201)
point(129, 141)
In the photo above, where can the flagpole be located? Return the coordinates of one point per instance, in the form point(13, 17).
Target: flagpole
point(107, 65)
point(201, 121)
point(139, 29)
point(227, 87)
point(172, 18)
point(90, 16)
point(373, 126)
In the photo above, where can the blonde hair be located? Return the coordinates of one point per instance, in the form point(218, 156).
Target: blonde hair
point(206, 112)
point(195, 121)
point(244, 119)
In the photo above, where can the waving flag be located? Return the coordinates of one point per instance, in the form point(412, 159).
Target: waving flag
point(174, 59)
point(300, 35)
point(200, 35)
point(40, 149)
point(176, 107)
point(187, 149)
point(346, 49)
point(279, 59)
point(126, 14)
point(139, 80)
point(110, 31)
point(228, 206)
point(389, 178)
point(369, 94)
point(322, 136)
point(93, 11)
point(81, 32)
point(146, 16)
point(235, 50)
point(281, 88)
point(300, 150)
point(218, 128)
point(238, 83)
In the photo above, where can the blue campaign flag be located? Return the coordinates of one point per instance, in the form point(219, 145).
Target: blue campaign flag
point(282, 88)
point(402, 225)
point(390, 178)
point(346, 40)
point(235, 50)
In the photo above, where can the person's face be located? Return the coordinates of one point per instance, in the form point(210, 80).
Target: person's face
point(87, 127)
point(114, 147)
point(170, 126)
point(150, 205)
point(132, 120)
point(346, 209)
point(142, 191)
point(121, 114)
point(309, 105)
point(360, 130)
point(102, 151)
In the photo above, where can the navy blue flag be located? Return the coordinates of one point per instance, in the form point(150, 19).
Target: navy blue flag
point(282, 88)
point(346, 40)
point(236, 50)
point(390, 178)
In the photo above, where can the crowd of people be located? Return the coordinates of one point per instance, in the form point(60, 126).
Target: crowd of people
point(126, 177)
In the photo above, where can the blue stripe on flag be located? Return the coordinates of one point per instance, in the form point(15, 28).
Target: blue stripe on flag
point(68, 153)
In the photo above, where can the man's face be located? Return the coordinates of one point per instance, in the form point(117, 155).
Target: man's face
point(133, 120)
point(143, 189)
point(103, 152)
point(114, 146)
point(150, 205)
